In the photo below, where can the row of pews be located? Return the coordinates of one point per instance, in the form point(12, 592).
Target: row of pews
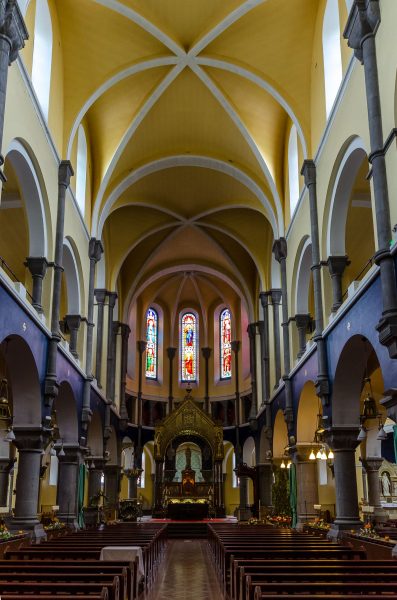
point(264, 563)
point(70, 565)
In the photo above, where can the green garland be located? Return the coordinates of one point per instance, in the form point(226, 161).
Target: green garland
point(280, 492)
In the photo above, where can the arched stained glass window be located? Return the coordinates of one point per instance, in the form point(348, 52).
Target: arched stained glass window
point(331, 53)
point(226, 344)
point(42, 55)
point(151, 343)
point(293, 169)
point(81, 172)
point(189, 357)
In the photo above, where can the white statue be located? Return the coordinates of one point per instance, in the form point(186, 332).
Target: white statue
point(386, 485)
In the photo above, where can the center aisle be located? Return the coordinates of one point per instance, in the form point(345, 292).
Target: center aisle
point(186, 573)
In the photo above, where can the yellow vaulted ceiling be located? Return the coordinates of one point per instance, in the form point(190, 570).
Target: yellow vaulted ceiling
point(187, 105)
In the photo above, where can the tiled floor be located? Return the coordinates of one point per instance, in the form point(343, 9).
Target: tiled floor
point(186, 573)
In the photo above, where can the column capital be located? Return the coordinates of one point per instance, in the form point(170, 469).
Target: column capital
point(115, 327)
point(303, 320)
point(31, 438)
point(125, 331)
point(275, 294)
point(100, 295)
point(73, 453)
point(236, 346)
point(65, 172)
point(251, 330)
point(95, 250)
point(342, 438)
point(112, 299)
point(363, 21)
point(206, 352)
point(37, 265)
point(308, 172)
point(264, 298)
point(13, 27)
point(141, 345)
point(171, 352)
point(372, 463)
point(280, 249)
point(72, 322)
point(337, 264)
point(390, 403)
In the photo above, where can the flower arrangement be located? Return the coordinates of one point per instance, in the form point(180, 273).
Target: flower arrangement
point(54, 524)
point(368, 531)
point(280, 520)
point(7, 535)
point(319, 524)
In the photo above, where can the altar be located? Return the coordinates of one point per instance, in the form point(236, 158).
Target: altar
point(188, 448)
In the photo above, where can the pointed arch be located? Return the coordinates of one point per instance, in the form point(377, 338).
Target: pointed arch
point(152, 329)
point(189, 355)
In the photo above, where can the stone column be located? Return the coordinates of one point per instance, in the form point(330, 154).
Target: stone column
point(336, 267)
point(265, 483)
point(30, 444)
point(276, 299)
point(302, 322)
point(65, 172)
point(254, 402)
point(68, 481)
point(141, 345)
point(306, 483)
point(158, 487)
point(343, 441)
point(112, 297)
point(360, 32)
point(100, 296)
point(372, 464)
point(125, 333)
point(321, 383)
point(280, 254)
point(218, 483)
point(95, 251)
point(37, 266)
point(206, 355)
point(95, 476)
point(6, 466)
point(12, 39)
point(112, 484)
point(235, 349)
point(112, 381)
point(264, 298)
point(72, 323)
point(171, 352)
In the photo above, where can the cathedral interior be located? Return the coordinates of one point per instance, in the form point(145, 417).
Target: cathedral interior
point(198, 298)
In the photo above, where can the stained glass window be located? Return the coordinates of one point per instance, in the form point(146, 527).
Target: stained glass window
point(151, 343)
point(226, 344)
point(189, 357)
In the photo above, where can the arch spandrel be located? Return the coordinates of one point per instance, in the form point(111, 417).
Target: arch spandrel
point(188, 419)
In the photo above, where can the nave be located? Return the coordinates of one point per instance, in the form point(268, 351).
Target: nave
point(139, 561)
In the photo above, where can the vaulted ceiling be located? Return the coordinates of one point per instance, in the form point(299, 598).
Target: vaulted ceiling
point(187, 107)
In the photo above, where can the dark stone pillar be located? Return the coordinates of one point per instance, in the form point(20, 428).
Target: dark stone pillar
point(307, 485)
point(72, 323)
point(372, 464)
point(276, 299)
point(112, 297)
point(235, 349)
point(6, 466)
point(12, 39)
point(337, 266)
point(158, 488)
point(30, 445)
point(206, 355)
point(264, 331)
point(321, 383)
point(254, 402)
point(265, 481)
point(125, 333)
point(68, 481)
point(112, 484)
point(65, 172)
point(171, 355)
point(218, 484)
point(95, 251)
point(343, 441)
point(302, 323)
point(141, 345)
point(360, 32)
point(112, 381)
point(280, 254)
point(37, 266)
point(97, 467)
point(100, 296)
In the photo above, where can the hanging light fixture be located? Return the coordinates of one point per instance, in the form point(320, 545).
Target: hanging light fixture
point(362, 434)
point(319, 454)
point(323, 454)
point(52, 450)
point(92, 465)
point(61, 451)
point(382, 435)
point(312, 456)
point(331, 455)
point(283, 466)
point(10, 437)
point(289, 464)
